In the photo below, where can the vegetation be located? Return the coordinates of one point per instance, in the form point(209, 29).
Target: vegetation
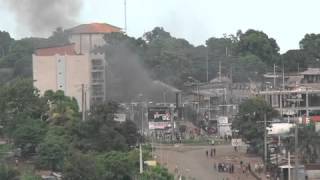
point(309, 144)
point(250, 121)
point(50, 133)
point(48, 129)
point(173, 60)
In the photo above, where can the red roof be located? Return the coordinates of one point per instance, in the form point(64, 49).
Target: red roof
point(61, 50)
point(94, 28)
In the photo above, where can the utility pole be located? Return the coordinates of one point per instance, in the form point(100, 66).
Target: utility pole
point(282, 77)
point(198, 94)
point(125, 16)
point(274, 76)
point(295, 100)
point(265, 141)
point(307, 103)
point(83, 104)
point(289, 166)
point(207, 59)
point(140, 159)
point(140, 146)
point(226, 51)
point(219, 71)
point(231, 74)
point(296, 151)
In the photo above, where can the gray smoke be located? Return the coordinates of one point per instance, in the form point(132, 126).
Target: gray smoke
point(43, 16)
point(127, 80)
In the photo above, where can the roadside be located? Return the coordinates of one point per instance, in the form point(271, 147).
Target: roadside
point(192, 162)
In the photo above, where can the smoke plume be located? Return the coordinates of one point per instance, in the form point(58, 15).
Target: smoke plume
point(127, 80)
point(41, 17)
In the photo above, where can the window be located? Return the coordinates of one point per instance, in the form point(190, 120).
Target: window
point(97, 64)
point(97, 90)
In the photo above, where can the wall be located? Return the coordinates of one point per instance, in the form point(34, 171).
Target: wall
point(66, 75)
point(84, 43)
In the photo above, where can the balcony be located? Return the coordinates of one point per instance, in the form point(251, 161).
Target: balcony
point(97, 68)
point(97, 81)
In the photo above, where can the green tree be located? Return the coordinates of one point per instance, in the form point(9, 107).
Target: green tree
point(80, 166)
point(8, 173)
point(28, 135)
point(248, 68)
point(249, 121)
point(129, 131)
point(221, 47)
point(158, 173)
point(309, 143)
point(311, 45)
point(5, 42)
point(59, 37)
point(167, 58)
point(116, 165)
point(30, 176)
point(100, 132)
point(53, 150)
point(259, 44)
point(19, 101)
point(294, 59)
point(62, 108)
point(157, 33)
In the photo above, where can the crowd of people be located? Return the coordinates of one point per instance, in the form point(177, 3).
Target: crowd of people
point(224, 167)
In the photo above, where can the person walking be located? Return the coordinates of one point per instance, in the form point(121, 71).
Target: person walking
point(214, 151)
point(207, 153)
point(211, 152)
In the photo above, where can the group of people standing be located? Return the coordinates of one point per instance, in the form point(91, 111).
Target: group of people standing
point(224, 167)
point(212, 152)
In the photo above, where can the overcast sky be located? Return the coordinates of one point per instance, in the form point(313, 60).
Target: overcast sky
point(197, 20)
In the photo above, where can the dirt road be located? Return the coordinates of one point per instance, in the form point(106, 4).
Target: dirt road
point(192, 162)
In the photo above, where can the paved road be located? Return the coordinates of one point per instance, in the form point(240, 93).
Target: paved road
point(193, 163)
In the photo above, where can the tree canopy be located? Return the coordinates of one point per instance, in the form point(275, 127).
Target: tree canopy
point(249, 121)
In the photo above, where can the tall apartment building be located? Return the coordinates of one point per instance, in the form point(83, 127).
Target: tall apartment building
point(76, 65)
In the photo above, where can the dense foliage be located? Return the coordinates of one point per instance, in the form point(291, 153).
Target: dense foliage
point(173, 60)
point(250, 121)
point(48, 131)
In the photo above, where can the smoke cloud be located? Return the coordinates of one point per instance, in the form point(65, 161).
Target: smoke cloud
point(127, 80)
point(41, 17)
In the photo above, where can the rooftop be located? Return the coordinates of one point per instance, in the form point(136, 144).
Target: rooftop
point(94, 28)
point(67, 49)
point(311, 71)
point(223, 79)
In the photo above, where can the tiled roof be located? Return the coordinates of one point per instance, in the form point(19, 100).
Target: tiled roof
point(94, 28)
point(60, 50)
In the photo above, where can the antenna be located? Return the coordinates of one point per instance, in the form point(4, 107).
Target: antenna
point(125, 15)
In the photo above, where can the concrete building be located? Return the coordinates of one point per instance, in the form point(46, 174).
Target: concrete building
point(75, 68)
point(304, 86)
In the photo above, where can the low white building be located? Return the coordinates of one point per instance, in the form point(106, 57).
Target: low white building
point(224, 127)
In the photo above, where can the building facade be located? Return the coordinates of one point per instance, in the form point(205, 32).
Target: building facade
point(75, 68)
